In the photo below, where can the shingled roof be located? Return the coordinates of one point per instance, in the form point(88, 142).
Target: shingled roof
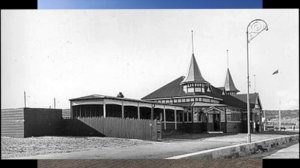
point(229, 85)
point(194, 74)
point(240, 100)
point(175, 89)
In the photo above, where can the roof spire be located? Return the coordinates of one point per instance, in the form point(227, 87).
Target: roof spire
point(229, 85)
point(192, 43)
point(194, 74)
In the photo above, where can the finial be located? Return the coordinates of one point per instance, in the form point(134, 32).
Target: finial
point(192, 43)
point(227, 59)
point(254, 84)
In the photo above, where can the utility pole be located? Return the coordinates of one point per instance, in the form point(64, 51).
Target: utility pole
point(254, 84)
point(24, 99)
point(54, 103)
point(279, 116)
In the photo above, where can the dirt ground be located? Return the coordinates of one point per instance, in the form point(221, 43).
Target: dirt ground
point(118, 148)
point(19, 147)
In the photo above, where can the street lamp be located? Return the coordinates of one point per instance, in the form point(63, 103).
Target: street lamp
point(254, 28)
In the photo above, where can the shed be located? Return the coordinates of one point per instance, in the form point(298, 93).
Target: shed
point(27, 122)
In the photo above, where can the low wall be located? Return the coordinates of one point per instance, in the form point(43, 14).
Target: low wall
point(240, 150)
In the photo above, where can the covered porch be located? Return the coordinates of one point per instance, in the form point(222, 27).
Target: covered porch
point(106, 106)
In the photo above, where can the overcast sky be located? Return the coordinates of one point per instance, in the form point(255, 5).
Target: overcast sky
point(72, 53)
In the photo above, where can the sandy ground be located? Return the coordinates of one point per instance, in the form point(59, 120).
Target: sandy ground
point(115, 148)
point(20, 147)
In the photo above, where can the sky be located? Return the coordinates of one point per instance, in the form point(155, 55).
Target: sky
point(72, 53)
point(148, 4)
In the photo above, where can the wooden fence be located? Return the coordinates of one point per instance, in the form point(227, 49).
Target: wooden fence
point(114, 127)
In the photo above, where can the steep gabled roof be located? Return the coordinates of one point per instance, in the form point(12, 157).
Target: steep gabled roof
point(229, 85)
point(252, 96)
point(169, 90)
point(194, 74)
point(243, 97)
point(240, 100)
point(234, 102)
point(175, 89)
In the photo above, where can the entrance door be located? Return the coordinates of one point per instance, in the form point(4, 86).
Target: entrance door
point(216, 122)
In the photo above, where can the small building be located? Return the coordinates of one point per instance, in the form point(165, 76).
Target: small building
point(27, 122)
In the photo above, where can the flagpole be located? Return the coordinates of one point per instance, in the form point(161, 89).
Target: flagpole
point(279, 116)
point(265, 122)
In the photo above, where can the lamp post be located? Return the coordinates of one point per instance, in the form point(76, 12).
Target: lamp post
point(254, 28)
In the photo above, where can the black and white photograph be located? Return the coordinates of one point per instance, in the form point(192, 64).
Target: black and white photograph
point(150, 84)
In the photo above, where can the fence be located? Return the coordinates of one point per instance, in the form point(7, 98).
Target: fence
point(113, 127)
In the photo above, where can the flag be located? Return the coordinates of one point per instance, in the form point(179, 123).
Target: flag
point(276, 72)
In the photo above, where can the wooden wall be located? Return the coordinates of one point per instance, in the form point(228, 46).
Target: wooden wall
point(12, 122)
point(42, 122)
point(27, 122)
point(112, 127)
point(66, 113)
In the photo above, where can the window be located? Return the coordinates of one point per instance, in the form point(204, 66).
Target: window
point(190, 116)
point(185, 116)
point(215, 101)
point(170, 115)
point(179, 116)
point(205, 100)
point(190, 90)
point(199, 116)
point(228, 117)
point(234, 117)
point(197, 89)
point(179, 100)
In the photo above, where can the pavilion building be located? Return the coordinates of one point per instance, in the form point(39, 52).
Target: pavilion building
point(189, 103)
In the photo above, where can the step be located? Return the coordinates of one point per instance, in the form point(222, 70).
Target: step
point(215, 132)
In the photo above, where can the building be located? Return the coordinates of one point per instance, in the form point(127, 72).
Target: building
point(27, 122)
point(209, 108)
point(189, 104)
